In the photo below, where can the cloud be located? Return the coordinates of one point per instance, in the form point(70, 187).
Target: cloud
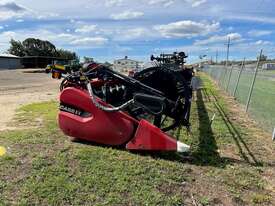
point(90, 41)
point(165, 3)
point(196, 3)
point(262, 42)
point(219, 39)
point(261, 19)
point(111, 3)
point(11, 6)
point(86, 29)
point(60, 39)
point(10, 10)
point(257, 33)
point(127, 15)
point(132, 34)
point(186, 28)
point(20, 20)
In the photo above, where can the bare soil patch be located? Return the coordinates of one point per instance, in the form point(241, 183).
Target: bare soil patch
point(21, 87)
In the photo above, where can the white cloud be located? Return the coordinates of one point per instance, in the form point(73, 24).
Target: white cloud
point(11, 6)
point(186, 28)
point(262, 42)
point(20, 20)
point(261, 19)
point(86, 29)
point(127, 15)
point(257, 33)
point(111, 3)
point(131, 34)
point(219, 39)
point(90, 41)
point(196, 3)
point(9, 10)
point(66, 37)
point(165, 3)
point(64, 40)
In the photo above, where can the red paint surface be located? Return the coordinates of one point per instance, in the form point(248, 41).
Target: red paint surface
point(150, 137)
point(115, 128)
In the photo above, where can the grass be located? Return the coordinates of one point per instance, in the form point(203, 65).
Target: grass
point(42, 167)
point(263, 97)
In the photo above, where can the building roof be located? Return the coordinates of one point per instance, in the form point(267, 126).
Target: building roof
point(130, 60)
point(126, 59)
point(8, 56)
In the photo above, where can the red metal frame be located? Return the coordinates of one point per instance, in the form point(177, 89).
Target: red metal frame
point(112, 129)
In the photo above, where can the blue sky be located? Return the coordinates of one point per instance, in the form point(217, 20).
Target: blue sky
point(110, 29)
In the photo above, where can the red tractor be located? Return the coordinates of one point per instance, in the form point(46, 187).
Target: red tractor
point(105, 107)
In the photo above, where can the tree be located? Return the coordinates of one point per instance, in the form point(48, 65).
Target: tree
point(88, 59)
point(37, 47)
point(65, 54)
point(16, 48)
point(263, 57)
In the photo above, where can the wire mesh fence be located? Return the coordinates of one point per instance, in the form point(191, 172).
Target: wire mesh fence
point(237, 80)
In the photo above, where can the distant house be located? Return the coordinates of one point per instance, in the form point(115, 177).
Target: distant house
point(9, 61)
point(268, 66)
point(126, 64)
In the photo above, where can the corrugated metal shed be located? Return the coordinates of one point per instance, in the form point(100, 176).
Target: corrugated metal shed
point(9, 61)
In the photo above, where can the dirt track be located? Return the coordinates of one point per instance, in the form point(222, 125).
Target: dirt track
point(21, 87)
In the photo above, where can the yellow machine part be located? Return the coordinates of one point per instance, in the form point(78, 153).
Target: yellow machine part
point(2, 151)
point(61, 67)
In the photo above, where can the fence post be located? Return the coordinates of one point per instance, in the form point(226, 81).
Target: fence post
point(230, 74)
point(239, 77)
point(253, 82)
point(223, 75)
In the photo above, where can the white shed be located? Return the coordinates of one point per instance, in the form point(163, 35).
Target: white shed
point(268, 66)
point(9, 61)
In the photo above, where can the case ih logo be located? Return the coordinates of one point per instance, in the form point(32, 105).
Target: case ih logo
point(69, 109)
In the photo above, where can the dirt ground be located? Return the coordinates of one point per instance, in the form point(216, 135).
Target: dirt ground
point(21, 87)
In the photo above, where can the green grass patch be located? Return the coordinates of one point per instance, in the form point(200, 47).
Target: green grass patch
point(263, 97)
point(43, 168)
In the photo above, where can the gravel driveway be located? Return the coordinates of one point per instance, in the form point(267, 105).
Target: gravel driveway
point(21, 87)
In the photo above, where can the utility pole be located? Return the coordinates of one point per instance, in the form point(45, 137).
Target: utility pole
point(227, 58)
point(217, 54)
point(227, 53)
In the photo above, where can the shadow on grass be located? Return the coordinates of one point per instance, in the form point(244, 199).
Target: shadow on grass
point(243, 148)
point(205, 152)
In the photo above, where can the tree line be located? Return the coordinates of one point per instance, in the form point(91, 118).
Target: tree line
point(38, 47)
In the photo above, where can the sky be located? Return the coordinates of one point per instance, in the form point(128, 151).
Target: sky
point(111, 29)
